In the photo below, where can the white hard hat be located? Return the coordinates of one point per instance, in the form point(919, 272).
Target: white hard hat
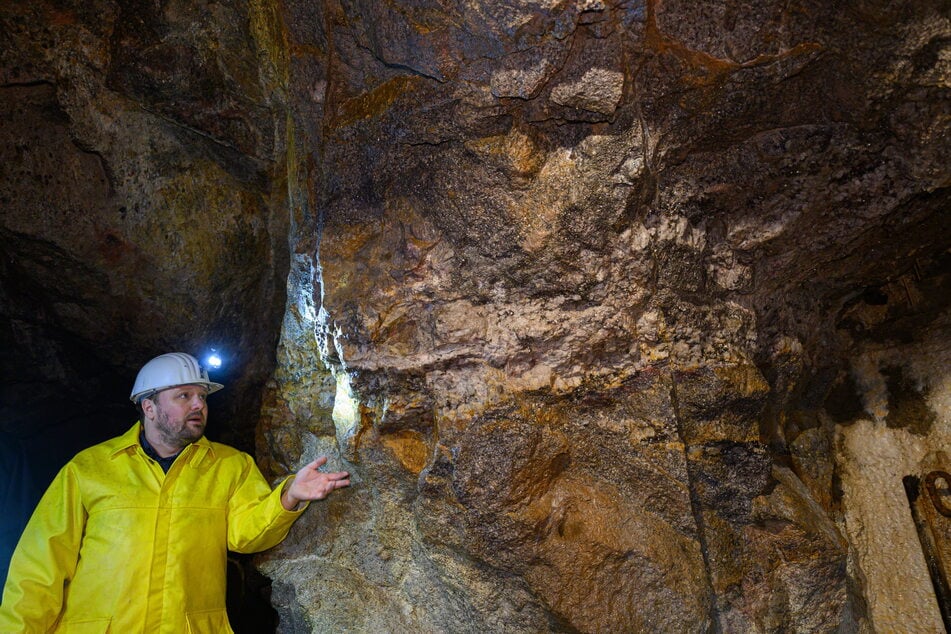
point(169, 370)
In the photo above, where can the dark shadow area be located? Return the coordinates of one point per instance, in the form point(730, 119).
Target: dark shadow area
point(249, 597)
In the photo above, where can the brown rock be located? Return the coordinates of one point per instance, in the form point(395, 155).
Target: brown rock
point(582, 293)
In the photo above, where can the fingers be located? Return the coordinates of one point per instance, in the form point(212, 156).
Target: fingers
point(334, 481)
point(333, 485)
point(315, 484)
point(337, 480)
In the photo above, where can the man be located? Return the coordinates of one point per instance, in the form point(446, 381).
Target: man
point(132, 535)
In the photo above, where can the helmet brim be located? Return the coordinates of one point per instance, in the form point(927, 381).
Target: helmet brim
point(210, 385)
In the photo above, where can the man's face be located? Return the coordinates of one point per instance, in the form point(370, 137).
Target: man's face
point(178, 414)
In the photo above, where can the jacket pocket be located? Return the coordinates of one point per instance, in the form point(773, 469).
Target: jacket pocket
point(94, 626)
point(208, 622)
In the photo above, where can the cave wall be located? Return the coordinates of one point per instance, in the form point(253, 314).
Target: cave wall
point(589, 297)
point(574, 289)
point(143, 208)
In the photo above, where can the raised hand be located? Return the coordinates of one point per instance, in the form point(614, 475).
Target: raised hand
point(312, 484)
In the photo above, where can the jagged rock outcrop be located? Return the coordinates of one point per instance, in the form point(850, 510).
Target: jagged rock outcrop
point(582, 293)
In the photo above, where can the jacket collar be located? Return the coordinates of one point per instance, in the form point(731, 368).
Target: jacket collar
point(130, 440)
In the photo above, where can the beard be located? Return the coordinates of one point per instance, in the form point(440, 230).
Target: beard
point(181, 432)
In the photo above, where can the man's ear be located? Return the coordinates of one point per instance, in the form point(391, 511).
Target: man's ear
point(148, 408)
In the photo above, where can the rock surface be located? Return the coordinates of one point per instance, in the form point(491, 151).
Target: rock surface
point(136, 218)
point(586, 295)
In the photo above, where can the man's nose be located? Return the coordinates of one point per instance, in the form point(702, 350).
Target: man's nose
point(197, 402)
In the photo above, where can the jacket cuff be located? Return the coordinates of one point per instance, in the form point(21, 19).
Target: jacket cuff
point(301, 506)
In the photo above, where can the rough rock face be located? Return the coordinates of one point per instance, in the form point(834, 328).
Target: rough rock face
point(139, 205)
point(611, 309)
point(576, 267)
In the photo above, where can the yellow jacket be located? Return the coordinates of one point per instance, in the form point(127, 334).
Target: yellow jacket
point(116, 545)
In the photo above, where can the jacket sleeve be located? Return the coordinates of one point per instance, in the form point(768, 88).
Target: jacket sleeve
point(256, 518)
point(45, 558)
